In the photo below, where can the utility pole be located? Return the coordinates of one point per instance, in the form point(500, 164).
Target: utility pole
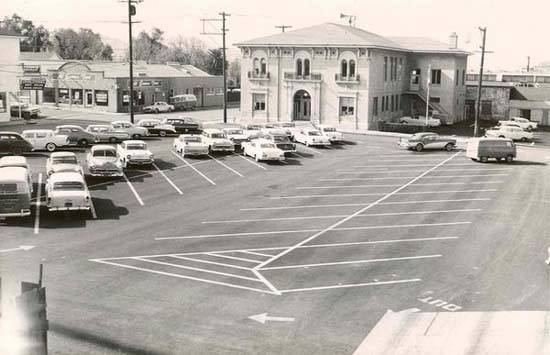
point(131, 12)
point(283, 27)
point(480, 83)
point(528, 63)
point(428, 84)
point(224, 69)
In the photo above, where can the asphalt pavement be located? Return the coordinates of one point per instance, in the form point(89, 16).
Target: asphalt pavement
point(225, 255)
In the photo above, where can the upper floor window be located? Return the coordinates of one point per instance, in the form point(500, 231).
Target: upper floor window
point(298, 67)
point(256, 66)
point(306, 67)
point(436, 76)
point(464, 77)
point(352, 68)
point(385, 68)
point(344, 68)
point(457, 77)
point(263, 66)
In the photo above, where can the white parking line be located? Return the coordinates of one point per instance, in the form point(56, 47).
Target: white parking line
point(233, 257)
point(386, 171)
point(360, 211)
point(195, 169)
point(138, 198)
point(256, 253)
point(226, 166)
point(377, 283)
point(379, 194)
point(251, 162)
point(411, 165)
point(209, 262)
point(408, 177)
point(396, 185)
point(269, 233)
point(168, 180)
point(37, 205)
point(350, 262)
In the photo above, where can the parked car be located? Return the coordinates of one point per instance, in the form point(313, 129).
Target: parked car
point(287, 127)
point(263, 149)
point(62, 162)
point(281, 141)
point(252, 129)
point(18, 162)
point(27, 111)
point(483, 149)
point(159, 106)
point(217, 141)
point(76, 135)
point(331, 133)
point(427, 140)
point(420, 121)
point(184, 102)
point(103, 160)
point(15, 192)
point(156, 127)
point(310, 136)
point(135, 152)
point(521, 122)
point(14, 143)
point(236, 136)
point(67, 192)
point(183, 124)
point(106, 133)
point(187, 145)
point(135, 132)
point(513, 133)
point(45, 139)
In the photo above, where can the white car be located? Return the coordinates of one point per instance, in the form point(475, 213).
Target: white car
point(135, 152)
point(287, 127)
point(520, 121)
point(157, 127)
point(420, 121)
point(67, 192)
point(263, 149)
point(236, 135)
point(106, 133)
point(310, 136)
point(187, 145)
point(159, 106)
point(133, 131)
point(103, 160)
point(252, 129)
point(45, 139)
point(17, 162)
point(63, 162)
point(217, 141)
point(510, 132)
point(331, 133)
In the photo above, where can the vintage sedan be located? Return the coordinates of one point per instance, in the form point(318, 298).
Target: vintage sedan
point(514, 133)
point(159, 106)
point(331, 133)
point(18, 162)
point(420, 121)
point(103, 160)
point(217, 141)
point(310, 136)
point(106, 133)
point(187, 145)
point(236, 135)
point(62, 162)
point(133, 130)
point(263, 149)
point(135, 152)
point(76, 135)
point(287, 127)
point(252, 129)
point(183, 124)
point(281, 141)
point(27, 111)
point(67, 192)
point(157, 127)
point(14, 143)
point(427, 140)
point(523, 123)
point(45, 139)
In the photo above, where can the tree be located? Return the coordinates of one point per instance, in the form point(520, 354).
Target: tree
point(149, 47)
point(234, 71)
point(37, 37)
point(188, 51)
point(82, 45)
point(214, 62)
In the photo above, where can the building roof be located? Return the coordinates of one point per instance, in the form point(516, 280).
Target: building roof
point(331, 34)
point(530, 94)
point(24, 56)
point(8, 33)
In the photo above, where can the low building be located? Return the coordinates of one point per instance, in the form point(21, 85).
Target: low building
point(9, 68)
point(350, 78)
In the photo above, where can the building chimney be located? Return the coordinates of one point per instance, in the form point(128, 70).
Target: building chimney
point(453, 41)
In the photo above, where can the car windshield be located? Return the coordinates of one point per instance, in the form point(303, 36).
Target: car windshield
point(136, 147)
point(329, 129)
point(8, 188)
point(64, 160)
point(280, 139)
point(68, 186)
point(192, 139)
point(234, 131)
point(313, 133)
point(104, 153)
point(253, 128)
point(268, 145)
point(218, 135)
point(288, 125)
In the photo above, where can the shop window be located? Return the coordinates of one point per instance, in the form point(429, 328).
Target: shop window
point(125, 98)
point(347, 106)
point(306, 67)
point(139, 97)
point(344, 69)
point(298, 67)
point(102, 98)
point(436, 76)
point(375, 106)
point(352, 68)
point(259, 102)
point(486, 107)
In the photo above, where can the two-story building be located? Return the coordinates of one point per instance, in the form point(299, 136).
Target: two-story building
point(350, 78)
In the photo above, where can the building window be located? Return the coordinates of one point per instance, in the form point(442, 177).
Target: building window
point(400, 69)
point(392, 106)
point(464, 77)
point(299, 67)
point(344, 69)
point(383, 108)
point(435, 99)
point(375, 106)
point(306, 67)
point(416, 76)
point(256, 66)
point(125, 98)
point(347, 106)
point(436, 76)
point(263, 66)
point(400, 104)
point(352, 68)
point(396, 102)
point(385, 68)
point(456, 78)
point(102, 98)
point(387, 103)
point(486, 107)
point(259, 102)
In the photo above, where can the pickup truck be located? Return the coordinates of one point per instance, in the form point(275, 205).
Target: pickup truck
point(134, 152)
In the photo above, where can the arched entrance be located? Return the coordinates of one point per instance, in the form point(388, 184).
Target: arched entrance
point(302, 106)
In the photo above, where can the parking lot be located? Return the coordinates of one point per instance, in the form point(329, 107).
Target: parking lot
point(186, 252)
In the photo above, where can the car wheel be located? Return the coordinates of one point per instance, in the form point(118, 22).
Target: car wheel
point(136, 136)
point(419, 147)
point(501, 137)
point(498, 159)
point(157, 110)
point(162, 133)
point(483, 159)
point(83, 142)
point(307, 144)
point(17, 151)
point(403, 122)
point(256, 157)
point(50, 147)
point(449, 147)
point(113, 140)
point(524, 139)
point(509, 159)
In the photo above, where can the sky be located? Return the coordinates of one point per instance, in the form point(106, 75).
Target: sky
point(515, 29)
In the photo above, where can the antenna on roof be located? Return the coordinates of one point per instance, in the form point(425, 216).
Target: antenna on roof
point(351, 19)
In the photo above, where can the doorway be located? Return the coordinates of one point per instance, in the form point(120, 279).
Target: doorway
point(525, 113)
point(89, 98)
point(302, 106)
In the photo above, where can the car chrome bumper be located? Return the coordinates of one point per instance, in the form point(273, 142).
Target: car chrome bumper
point(140, 162)
point(106, 173)
point(71, 208)
point(23, 213)
point(223, 149)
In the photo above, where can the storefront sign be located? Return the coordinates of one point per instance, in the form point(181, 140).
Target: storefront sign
point(157, 83)
point(31, 69)
point(37, 83)
point(100, 97)
point(147, 83)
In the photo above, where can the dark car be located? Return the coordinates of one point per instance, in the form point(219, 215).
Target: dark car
point(76, 135)
point(427, 140)
point(14, 143)
point(184, 124)
point(27, 111)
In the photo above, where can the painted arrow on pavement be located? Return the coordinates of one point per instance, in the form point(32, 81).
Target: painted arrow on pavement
point(263, 317)
point(22, 247)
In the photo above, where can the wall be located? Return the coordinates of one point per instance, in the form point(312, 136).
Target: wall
point(9, 70)
point(500, 97)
